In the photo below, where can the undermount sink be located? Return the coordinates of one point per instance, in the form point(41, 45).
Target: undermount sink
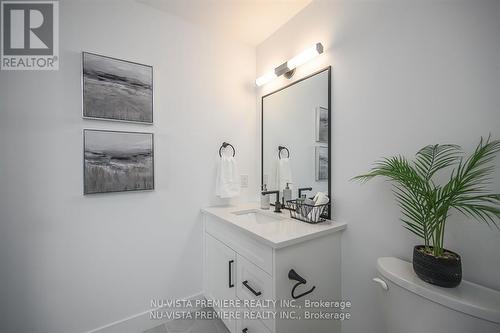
point(258, 216)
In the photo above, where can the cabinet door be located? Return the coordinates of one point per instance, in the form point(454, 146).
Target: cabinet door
point(220, 271)
point(251, 326)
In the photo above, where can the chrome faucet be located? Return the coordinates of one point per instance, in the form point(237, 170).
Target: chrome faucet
point(277, 204)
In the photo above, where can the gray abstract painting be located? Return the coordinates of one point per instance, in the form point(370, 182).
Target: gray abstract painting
point(321, 163)
point(118, 161)
point(115, 89)
point(322, 125)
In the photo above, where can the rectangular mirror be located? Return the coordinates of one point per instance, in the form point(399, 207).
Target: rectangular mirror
point(296, 137)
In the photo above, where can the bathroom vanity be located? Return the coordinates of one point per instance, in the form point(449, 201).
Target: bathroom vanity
point(248, 255)
point(279, 263)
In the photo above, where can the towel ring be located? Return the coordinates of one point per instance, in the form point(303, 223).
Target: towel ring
point(293, 275)
point(280, 148)
point(224, 145)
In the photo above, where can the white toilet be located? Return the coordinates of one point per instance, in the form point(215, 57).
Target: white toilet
point(411, 305)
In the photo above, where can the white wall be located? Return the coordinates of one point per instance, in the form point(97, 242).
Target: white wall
point(71, 263)
point(405, 74)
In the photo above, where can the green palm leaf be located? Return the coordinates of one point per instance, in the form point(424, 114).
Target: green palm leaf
point(433, 158)
point(409, 189)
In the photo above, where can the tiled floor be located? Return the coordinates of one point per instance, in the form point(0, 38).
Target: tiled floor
point(191, 326)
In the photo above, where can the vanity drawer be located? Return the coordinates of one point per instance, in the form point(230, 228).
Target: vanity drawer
point(252, 283)
point(251, 326)
point(254, 251)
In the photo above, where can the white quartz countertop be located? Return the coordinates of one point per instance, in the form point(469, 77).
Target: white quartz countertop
point(277, 234)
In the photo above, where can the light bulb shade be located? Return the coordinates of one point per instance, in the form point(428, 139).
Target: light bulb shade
point(288, 67)
point(305, 56)
point(265, 78)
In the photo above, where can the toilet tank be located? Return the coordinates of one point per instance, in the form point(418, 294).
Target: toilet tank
point(410, 305)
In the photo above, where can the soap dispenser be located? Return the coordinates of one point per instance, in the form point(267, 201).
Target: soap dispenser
point(264, 199)
point(287, 193)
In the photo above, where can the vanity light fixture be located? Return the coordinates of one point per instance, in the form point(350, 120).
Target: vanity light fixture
point(265, 78)
point(288, 68)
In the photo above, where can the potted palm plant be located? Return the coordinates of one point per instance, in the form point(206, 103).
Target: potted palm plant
point(425, 205)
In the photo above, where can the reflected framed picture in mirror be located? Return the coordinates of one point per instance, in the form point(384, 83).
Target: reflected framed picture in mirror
point(321, 124)
point(321, 163)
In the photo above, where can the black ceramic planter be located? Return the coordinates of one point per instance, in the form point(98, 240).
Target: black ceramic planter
point(443, 272)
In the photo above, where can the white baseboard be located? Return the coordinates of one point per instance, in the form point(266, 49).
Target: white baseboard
point(140, 322)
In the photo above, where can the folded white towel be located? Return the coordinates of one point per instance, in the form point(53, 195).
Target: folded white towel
point(228, 178)
point(321, 198)
point(283, 173)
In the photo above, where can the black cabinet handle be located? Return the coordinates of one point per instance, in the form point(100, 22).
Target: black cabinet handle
point(256, 293)
point(231, 285)
point(245, 330)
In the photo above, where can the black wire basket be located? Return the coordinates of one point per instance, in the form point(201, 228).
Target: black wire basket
point(305, 212)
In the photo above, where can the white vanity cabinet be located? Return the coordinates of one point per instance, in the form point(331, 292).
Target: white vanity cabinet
point(251, 262)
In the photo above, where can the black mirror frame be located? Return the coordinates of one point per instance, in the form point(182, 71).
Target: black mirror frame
point(329, 69)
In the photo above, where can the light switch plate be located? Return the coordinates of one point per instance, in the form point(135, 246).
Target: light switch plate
point(244, 181)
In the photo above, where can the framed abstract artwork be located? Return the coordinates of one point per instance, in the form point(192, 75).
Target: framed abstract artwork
point(321, 163)
point(321, 124)
point(117, 161)
point(114, 89)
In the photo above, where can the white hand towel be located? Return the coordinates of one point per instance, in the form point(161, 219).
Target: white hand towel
point(228, 178)
point(283, 173)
